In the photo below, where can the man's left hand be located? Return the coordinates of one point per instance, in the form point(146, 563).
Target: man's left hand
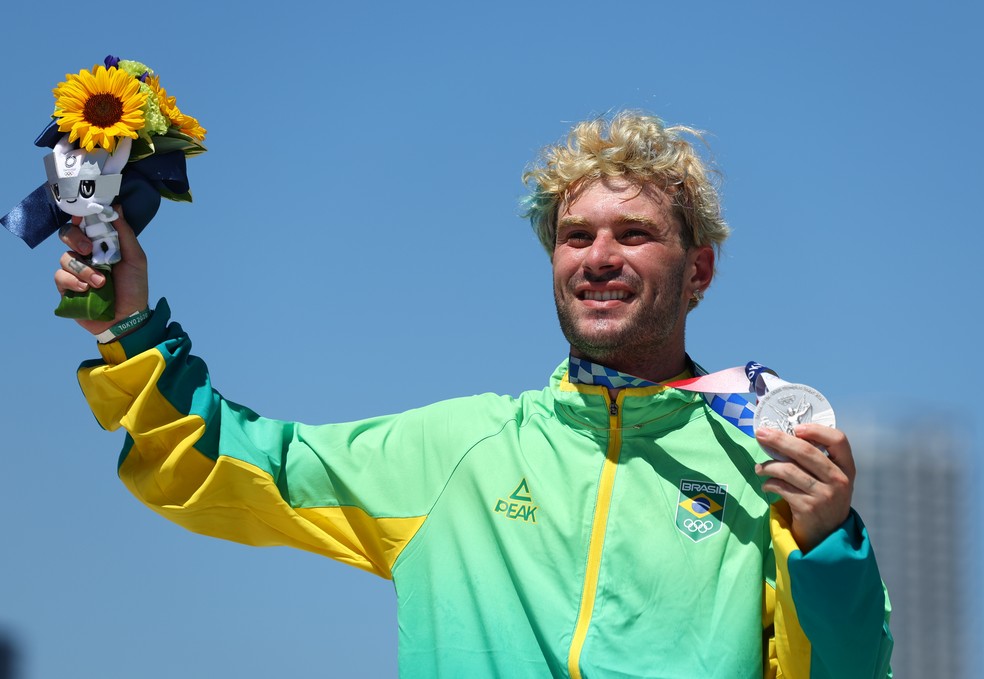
point(817, 487)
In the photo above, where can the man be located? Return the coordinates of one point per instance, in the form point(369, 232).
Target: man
point(607, 526)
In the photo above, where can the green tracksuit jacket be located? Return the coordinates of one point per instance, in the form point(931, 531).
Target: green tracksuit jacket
point(554, 534)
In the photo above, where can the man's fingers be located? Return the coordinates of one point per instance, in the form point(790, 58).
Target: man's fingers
point(833, 441)
point(74, 264)
point(817, 448)
point(807, 470)
point(800, 451)
point(66, 281)
point(821, 434)
point(72, 236)
point(786, 475)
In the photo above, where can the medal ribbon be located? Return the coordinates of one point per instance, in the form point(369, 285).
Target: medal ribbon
point(724, 391)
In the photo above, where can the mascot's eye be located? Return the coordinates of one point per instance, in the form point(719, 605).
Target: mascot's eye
point(54, 191)
point(87, 187)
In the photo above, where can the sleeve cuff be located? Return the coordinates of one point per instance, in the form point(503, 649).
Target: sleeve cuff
point(151, 333)
point(848, 540)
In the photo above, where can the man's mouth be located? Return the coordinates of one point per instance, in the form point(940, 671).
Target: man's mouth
point(603, 295)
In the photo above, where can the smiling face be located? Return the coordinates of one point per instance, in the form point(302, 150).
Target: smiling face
point(623, 277)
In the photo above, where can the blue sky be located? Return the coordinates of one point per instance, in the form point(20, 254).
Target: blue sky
point(354, 248)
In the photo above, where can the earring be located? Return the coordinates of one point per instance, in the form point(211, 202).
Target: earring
point(698, 295)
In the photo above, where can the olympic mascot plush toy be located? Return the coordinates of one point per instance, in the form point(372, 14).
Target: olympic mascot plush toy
point(116, 137)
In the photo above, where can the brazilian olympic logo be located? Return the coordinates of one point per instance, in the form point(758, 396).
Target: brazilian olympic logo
point(700, 508)
point(698, 526)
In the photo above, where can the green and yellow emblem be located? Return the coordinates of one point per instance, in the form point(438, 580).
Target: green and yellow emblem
point(700, 508)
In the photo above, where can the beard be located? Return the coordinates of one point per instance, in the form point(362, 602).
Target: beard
point(625, 340)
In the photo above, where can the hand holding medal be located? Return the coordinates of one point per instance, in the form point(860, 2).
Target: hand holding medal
point(812, 467)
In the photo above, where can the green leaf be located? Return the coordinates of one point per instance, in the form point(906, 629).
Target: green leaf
point(141, 148)
point(177, 197)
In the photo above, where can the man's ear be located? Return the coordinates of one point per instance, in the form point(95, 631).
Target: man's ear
point(702, 268)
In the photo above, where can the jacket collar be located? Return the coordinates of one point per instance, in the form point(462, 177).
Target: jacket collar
point(646, 408)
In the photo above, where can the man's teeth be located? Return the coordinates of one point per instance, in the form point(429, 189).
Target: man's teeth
point(605, 295)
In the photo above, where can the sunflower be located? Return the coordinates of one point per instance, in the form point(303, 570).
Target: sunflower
point(167, 105)
point(98, 106)
point(190, 126)
point(169, 108)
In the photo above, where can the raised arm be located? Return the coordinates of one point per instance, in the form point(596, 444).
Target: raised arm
point(356, 492)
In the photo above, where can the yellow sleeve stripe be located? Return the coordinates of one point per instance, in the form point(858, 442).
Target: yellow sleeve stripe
point(373, 542)
point(112, 352)
point(793, 649)
point(163, 467)
point(114, 390)
point(240, 502)
point(227, 498)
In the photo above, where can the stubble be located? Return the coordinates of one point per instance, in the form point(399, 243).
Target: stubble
point(627, 341)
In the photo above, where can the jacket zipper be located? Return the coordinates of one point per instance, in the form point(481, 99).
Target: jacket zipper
point(596, 542)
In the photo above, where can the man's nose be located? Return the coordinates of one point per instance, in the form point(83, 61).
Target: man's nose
point(604, 254)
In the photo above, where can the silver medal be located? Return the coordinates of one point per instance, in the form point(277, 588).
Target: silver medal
point(788, 405)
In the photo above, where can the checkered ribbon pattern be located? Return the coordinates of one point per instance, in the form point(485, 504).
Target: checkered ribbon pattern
point(733, 407)
point(581, 371)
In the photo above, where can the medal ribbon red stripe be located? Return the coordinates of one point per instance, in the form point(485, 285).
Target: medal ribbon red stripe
point(727, 392)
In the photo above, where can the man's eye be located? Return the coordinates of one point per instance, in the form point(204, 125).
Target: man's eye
point(87, 187)
point(635, 236)
point(578, 237)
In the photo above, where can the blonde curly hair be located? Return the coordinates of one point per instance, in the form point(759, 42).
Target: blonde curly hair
point(632, 145)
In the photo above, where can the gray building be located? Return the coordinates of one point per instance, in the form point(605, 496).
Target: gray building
point(915, 491)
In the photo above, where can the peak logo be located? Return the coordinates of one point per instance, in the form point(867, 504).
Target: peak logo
point(519, 505)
